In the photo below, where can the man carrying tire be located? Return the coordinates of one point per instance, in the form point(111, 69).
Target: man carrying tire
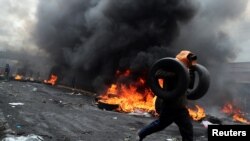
point(173, 106)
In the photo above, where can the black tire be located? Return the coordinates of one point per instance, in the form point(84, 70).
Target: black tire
point(203, 84)
point(158, 105)
point(171, 65)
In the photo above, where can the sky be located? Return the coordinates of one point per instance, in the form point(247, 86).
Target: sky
point(18, 19)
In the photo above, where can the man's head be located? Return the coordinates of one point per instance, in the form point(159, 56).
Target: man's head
point(187, 58)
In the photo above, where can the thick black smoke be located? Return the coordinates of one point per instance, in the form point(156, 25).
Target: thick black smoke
point(90, 39)
point(93, 38)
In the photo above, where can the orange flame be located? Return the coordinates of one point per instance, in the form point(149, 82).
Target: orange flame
point(52, 80)
point(235, 112)
point(197, 114)
point(129, 97)
point(18, 77)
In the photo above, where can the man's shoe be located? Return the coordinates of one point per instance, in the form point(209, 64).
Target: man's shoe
point(138, 138)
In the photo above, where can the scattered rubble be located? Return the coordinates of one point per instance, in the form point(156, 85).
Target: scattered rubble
point(140, 113)
point(30, 137)
point(34, 89)
point(16, 104)
point(173, 139)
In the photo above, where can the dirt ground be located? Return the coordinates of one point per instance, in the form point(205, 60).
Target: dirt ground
point(57, 114)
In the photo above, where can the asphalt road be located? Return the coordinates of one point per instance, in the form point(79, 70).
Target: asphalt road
point(55, 114)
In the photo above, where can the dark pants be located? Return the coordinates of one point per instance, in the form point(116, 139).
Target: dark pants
point(168, 116)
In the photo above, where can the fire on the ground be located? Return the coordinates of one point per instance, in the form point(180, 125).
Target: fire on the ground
point(130, 98)
point(52, 80)
point(231, 110)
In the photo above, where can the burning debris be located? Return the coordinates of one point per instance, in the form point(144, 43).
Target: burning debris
point(126, 99)
point(234, 112)
point(22, 78)
point(130, 97)
point(52, 80)
point(18, 77)
point(135, 96)
point(198, 113)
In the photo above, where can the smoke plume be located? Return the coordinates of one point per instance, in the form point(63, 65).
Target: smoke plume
point(94, 38)
point(91, 39)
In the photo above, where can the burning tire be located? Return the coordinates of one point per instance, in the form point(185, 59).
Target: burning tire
point(106, 106)
point(169, 65)
point(202, 85)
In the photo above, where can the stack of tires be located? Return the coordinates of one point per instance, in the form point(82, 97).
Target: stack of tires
point(173, 65)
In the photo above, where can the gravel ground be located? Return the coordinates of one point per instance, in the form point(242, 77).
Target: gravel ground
point(56, 114)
